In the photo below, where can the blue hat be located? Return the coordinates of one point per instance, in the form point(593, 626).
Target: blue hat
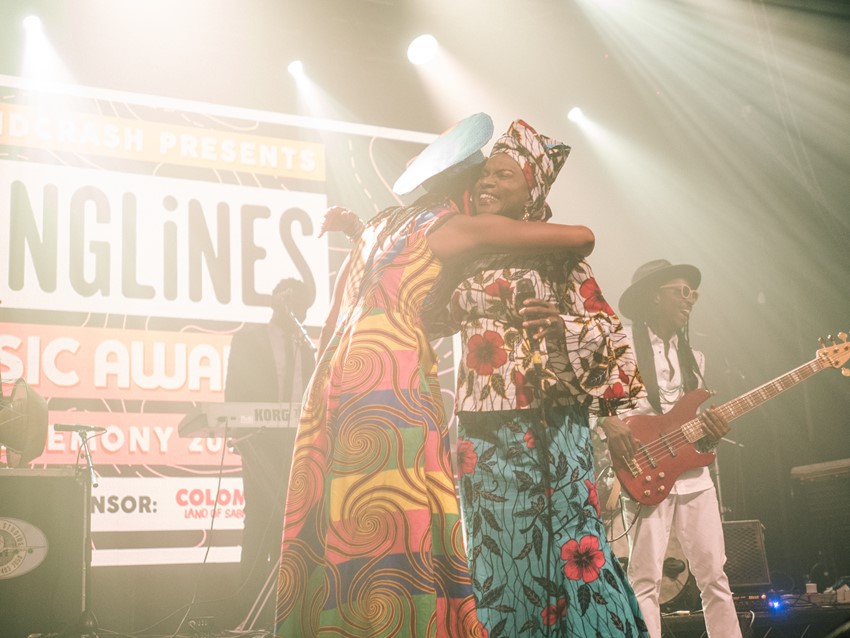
point(455, 150)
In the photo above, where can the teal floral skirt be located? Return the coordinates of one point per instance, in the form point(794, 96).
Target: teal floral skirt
point(538, 556)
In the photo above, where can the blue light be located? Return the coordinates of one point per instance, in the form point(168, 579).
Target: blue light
point(777, 604)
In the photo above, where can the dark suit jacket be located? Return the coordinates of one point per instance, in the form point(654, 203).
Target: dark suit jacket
point(251, 371)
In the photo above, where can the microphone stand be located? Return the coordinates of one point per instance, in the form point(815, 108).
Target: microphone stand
point(723, 509)
point(84, 442)
point(302, 332)
point(536, 371)
point(87, 625)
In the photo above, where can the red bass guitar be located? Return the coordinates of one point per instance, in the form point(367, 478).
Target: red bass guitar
point(666, 444)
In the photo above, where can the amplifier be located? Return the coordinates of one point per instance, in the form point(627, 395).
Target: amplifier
point(42, 542)
point(754, 602)
point(746, 561)
point(821, 497)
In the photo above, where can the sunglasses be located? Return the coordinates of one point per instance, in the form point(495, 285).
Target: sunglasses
point(687, 293)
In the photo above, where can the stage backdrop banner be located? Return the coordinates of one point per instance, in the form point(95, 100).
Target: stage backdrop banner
point(137, 234)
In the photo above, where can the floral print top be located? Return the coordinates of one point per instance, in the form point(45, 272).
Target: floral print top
point(593, 366)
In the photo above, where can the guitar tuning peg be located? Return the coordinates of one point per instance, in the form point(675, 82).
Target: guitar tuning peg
point(845, 372)
point(822, 342)
point(843, 336)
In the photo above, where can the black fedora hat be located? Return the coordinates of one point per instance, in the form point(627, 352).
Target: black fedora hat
point(649, 277)
point(457, 148)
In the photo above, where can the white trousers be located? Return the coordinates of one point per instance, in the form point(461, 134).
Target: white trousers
point(695, 519)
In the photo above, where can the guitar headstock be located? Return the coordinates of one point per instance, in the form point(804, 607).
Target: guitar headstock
point(835, 352)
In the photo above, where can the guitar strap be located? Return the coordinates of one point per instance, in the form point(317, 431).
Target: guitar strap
point(688, 363)
point(646, 363)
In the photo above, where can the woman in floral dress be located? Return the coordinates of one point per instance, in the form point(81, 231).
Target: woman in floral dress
point(539, 560)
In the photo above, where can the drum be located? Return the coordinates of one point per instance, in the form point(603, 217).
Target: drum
point(679, 590)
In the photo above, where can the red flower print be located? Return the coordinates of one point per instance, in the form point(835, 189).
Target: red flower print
point(616, 391)
point(583, 559)
point(593, 299)
point(551, 613)
point(530, 443)
point(466, 457)
point(522, 391)
point(592, 496)
point(486, 352)
point(500, 288)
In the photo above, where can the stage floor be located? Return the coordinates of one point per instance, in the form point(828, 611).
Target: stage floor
point(161, 601)
point(807, 621)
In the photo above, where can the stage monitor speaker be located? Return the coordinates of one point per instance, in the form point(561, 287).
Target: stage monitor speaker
point(822, 506)
point(746, 561)
point(42, 544)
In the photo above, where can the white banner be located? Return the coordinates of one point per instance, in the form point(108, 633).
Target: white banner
point(84, 240)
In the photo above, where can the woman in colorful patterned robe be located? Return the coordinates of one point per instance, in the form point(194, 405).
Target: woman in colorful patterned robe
point(372, 542)
point(542, 349)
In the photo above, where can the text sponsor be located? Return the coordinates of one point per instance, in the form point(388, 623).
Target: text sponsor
point(169, 503)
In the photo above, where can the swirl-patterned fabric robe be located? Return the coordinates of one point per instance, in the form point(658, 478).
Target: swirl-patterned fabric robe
point(372, 543)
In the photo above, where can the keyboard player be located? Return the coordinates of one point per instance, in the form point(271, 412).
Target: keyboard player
point(269, 363)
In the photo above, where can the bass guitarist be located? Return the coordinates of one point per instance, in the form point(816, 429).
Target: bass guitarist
point(659, 302)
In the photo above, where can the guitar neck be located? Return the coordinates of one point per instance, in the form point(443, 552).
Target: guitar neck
point(754, 398)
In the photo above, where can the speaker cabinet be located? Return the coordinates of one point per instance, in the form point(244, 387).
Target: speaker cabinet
point(746, 562)
point(822, 506)
point(42, 544)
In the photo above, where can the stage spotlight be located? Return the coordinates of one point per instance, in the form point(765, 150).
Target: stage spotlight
point(423, 49)
point(575, 115)
point(32, 23)
point(296, 68)
point(40, 60)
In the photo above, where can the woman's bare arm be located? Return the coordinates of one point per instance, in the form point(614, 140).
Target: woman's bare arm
point(473, 236)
